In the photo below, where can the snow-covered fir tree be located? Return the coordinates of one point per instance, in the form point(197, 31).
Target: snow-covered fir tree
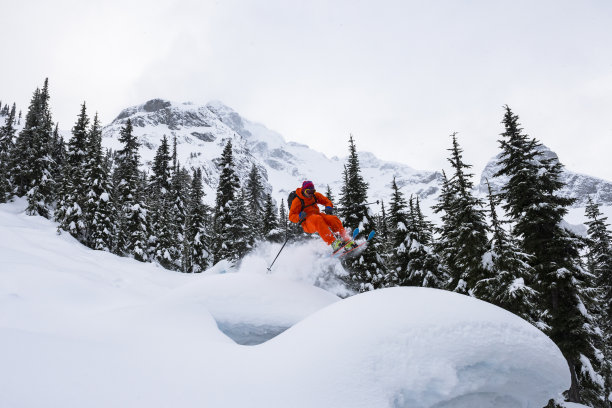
point(130, 207)
point(58, 155)
point(240, 231)
point(224, 246)
point(399, 238)
point(463, 235)
point(567, 295)
point(31, 164)
point(424, 264)
point(163, 248)
point(509, 286)
point(600, 265)
point(7, 137)
point(180, 191)
point(367, 271)
point(382, 229)
point(255, 199)
point(329, 194)
point(98, 203)
point(270, 224)
point(70, 209)
point(197, 241)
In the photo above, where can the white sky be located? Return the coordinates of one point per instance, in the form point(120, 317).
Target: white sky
point(401, 76)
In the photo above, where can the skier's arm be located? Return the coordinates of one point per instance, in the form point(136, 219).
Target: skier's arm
point(321, 199)
point(294, 211)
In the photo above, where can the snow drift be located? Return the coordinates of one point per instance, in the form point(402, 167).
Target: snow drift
point(85, 328)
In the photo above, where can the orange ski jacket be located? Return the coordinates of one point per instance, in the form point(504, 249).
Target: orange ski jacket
point(310, 205)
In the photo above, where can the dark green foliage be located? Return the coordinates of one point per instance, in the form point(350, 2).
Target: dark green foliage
point(329, 194)
point(367, 271)
point(240, 231)
point(73, 189)
point(509, 286)
point(98, 201)
point(463, 234)
point(224, 245)
point(7, 137)
point(197, 241)
point(567, 295)
point(180, 192)
point(411, 262)
point(131, 210)
point(31, 164)
point(600, 266)
point(271, 230)
point(255, 198)
point(163, 246)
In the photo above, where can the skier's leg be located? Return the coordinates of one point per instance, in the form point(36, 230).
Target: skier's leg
point(316, 223)
point(335, 225)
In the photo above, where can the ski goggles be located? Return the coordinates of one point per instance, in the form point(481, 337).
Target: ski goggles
point(309, 191)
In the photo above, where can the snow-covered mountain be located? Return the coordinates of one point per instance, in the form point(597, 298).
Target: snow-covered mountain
point(203, 131)
point(578, 186)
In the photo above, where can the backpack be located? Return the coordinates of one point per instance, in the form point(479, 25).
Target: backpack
point(293, 195)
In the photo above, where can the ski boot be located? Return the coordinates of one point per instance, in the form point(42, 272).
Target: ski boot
point(337, 245)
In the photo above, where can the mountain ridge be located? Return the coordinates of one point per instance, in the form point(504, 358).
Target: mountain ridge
point(203, 130)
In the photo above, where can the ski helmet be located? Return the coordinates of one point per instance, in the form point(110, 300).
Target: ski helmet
point(308, 187)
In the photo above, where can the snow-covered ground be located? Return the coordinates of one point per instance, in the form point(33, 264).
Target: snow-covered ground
point(83, 328)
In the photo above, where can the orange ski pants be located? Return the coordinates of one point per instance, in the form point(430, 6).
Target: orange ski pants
point(322, 223)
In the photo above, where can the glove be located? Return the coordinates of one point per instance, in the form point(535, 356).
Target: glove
point(302, 216)
point(329, 210)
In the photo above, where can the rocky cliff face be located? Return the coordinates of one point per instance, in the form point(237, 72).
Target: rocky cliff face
point(201, 133)
point(578, 186)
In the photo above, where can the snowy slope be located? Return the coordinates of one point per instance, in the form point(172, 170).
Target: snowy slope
point(83, 328)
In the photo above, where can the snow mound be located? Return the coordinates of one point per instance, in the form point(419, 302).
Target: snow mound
point(414, 347)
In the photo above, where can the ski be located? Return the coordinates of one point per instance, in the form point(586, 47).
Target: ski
point(355, 233)
point(354, 251)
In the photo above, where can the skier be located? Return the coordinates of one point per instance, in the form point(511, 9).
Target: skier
point(304, 209)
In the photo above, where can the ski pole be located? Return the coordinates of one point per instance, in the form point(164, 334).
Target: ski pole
point(285, 243)
point(357, 205)
point(281, 250)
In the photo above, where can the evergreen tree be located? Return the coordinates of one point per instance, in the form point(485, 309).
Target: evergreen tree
point(224, 246)
point(255, 201)
point(509, 286)
point(464, 231)
point(163, 247)
point(384, 234)
point(566, 302)
point(399, 238)
point(240, 230)
point(7, 136)
point(70, 212)
point(366, 272)
point(198, 255)
point(58, 155)
point(329, 194)
point(131, 210)
point(424, 265)
point(180, 196)
point(32, 167)
point(600, 253)
point(423, 227)
point(98, 203)
point(271, 230)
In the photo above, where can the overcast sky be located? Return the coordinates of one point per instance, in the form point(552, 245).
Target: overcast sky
point(400, 76)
